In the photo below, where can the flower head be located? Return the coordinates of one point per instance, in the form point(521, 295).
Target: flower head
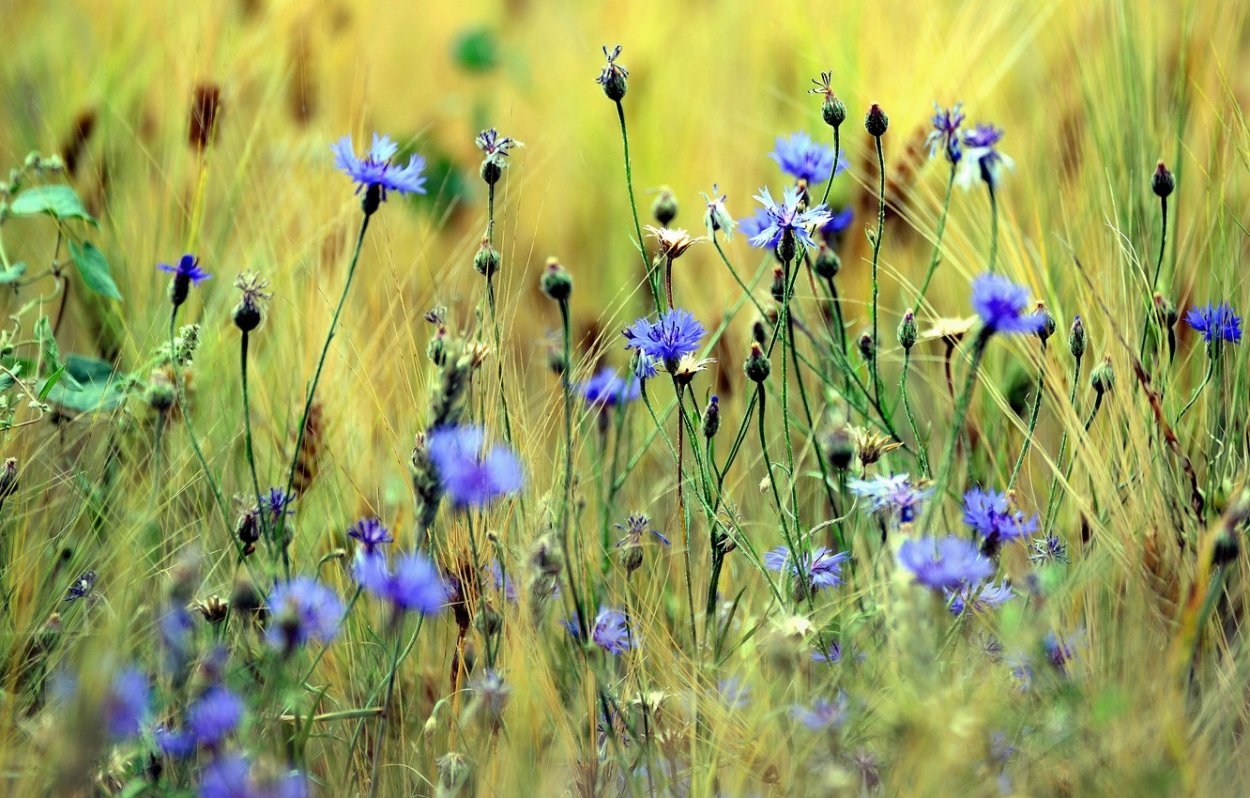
point(126, 707)
point(414, 585)
point(989, 513)
point(823, 713)
point(303, 609)
point(945, 136)
point(251, 308)
point(717, 216)
point(891, 494)
point(786, 221)
point(1001, 304)
point(1048, 549)
point(371, 535)
point(613, 76)
point(609, 632)
point(471, 474)
point(838, 223)
point(496, 147)
point(606, 389)
point(81, 587)
point(980, 598)
point(944, 564)
point(676, 333)
point(188, 268)
point(981, 158)
point(688, 366)
point(822, 568)
point(233, 776)
point(375, 171)
point(673, 243)
point(214, 716)
point(805, 159)
point(275, 504)
point(1216, 323)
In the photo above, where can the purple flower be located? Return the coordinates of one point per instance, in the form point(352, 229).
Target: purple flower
point(1001, 304)
point(175, 744)
point(891, 494)
point(667, 340)
point(944, 564)
point(989, 513)
point(1216, 323)
point(414, 585)
point(214, 716)
point(126, 705)
point(804, 159)
point(823, 713)
point(496, 147)
point(755, 224)
point(82, 586)
point(944, 137)
point(371, 535)
point(981, 598)
point(821, 568)
point(303, 609)
point(838, 222)
point(830, 657)
point(1048, 549)
point(470, 474)
point(784, 219)
point(275, 504)
point(188, 268)
point(232, 776)
point(606, 389)
point(375, 170)
point(610, 631)
point(982, 160)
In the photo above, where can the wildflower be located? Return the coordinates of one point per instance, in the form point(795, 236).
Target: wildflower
point(470, 474)
point(303, 609)
point(214, 716)
point(833, 110)
point(275, 504)
point(805, 159)
point(675, 334)
point(945, 136)
point(989, 514)
point(186, 274)
point(822, 568)
point(371, 535)
point(643, 367)
point(414, 585)
point(375, 173)
point(981, 598)
point(751, 226)
point(717, 216)
point(823, 713)
point(610, 631)
point(872, 445)
point(891, 494)
point(786, 223)
point(630, 546)
point(982, 159)
point(688, 366)
point(1217, 323)
point(944, 564)
point(606, 389)
point(839, 222)
point(496, 148)
point(876, 122)
point(250, 311)
point(126, 706)
point(1001, 304)
point(491, 690)
point(951, 331)
point(613, 76)
point(1048, 549)
point(176, 744)
point(233, 776)
point(82, 586)
point(673, 243)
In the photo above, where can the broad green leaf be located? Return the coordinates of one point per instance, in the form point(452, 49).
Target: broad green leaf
point(59, 201)
point(94, 269)
point(15, 271)
point(51, 382)
point(100, 388)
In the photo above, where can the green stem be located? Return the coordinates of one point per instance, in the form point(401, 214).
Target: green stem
point(1051, 497)
point(247, 427)
point(633, 206)
point(922, 456)
point(936, 258)
point(1037, 406)
point(943, 473)
point(993, 226)
point(837, 153)
point(380, 728)
point(876, 287)
point(1197, 391)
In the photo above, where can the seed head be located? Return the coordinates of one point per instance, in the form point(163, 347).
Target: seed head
point(613, 77)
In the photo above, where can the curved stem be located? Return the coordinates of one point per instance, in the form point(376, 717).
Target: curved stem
point(922, 456)
point(1197, 391)
point(837, 153)
point(936, 258)
point(380, 728)
point(876, 286)
point(247, 428)
point(943, 473)
point(993, 226)
point(1037, 407)
point(633, 206)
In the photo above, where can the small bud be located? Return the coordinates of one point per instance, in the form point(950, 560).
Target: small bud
point(834, 111)
point(247, 528)
point(486, 261)
point(839, 446)
point(1161, 182)
point(778, 288)
point(629, 555)
point(759, 333)
point(711, 417)
point(250, 311)
point(372, 199)
point(907, 331)
point(827, 263)
point(160, 393)
point(866, 347)
point(1102, 378)
point(1048, 322)
point(757, 366)
point(876, 122)
point(490, 171)
point(1076, 338)
point(556, 283)
point(613, 76)
point(664, 209)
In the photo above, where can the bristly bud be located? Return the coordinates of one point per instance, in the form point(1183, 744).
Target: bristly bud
point(160, 392)
point(907, 331)
point(556, 283)
point(1076, 338)
point(839, 447)
point(787, 247)
point(866, 347)
point(1161, 182)
point(664, 209)
point(1102, 378)
point(827, 263)
point(487, 259)
point(250, 311)
point(778, 289)
point(1048, 322)
point(833, 110)
point(757, 366)
point(759, 333)
point(711, 417)
point(876, 122)
point(613, 76)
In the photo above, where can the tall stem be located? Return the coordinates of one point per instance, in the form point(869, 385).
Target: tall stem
point(922, 456)
point(633, 206)
point(993, 225)
point(1033, 414)
point(936, 258)
point(247, 427)
point(876, 252)
point(943, 473)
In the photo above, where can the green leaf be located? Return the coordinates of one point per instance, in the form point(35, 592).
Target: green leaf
point(100, 388)
point(59, 201)
point(51, 353)
point(15, 271)
point(51, 382)
point(94, 269)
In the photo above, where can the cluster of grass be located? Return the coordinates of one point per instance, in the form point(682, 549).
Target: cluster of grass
point(145, 421)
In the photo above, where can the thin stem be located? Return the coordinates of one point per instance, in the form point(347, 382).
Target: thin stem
point(247, 427)
point(993, 225)
point(633, 206)
point(1197, 391)
point(380, 728)
point(1037, 407)
point(837, 153)
point(936, 258)
point(943, 473)
point(681, 513)
point(1154, 282)
point(922, 456)
point(1063, 444)
point(876, 252)
point(567, 491)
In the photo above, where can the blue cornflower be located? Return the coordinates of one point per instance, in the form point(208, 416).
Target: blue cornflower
point(989, 513)
point(371, 535)
point(495, 147)
point(945, 137)
point(821, 568)
point(1216, 323)
point(805, 159)
point(176, 744)
point(126, 706)
point(214, 716)
point(838, 222)
point(643, 366)
point(609, 632)
point(944, 564)
point(891, 494)
point(786, 221)
point(470, 474)
point(1048, 549)
point(606, 389)
point(1001, 304)
point(980, 598)
point(734, 693)
point(82, 586)
point(232, 776)
point(413, 585)
point(303, 609)
point(677, 333)
point(751, 226)
point(823, 712)
point(188, 269)
point(276, 503)
point(982, 160)
point(717, 216)
point(375, 171)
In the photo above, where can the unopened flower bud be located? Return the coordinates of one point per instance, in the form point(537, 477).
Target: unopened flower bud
point(711, 417)
point(556, 283)
point(160, 393)
point(834, 111)
point(866, 347)
point(1076, 338)
point(664, 209)
point(757, 366)
point(486, 261)
point(1102, 378)
point(907, 331)
point(1048, 322)
point(613, 76)
point(839, 446)
point(778, 289)
point(876, 122)
point(1161, 182)
point(827, 263)
point(759, 333)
